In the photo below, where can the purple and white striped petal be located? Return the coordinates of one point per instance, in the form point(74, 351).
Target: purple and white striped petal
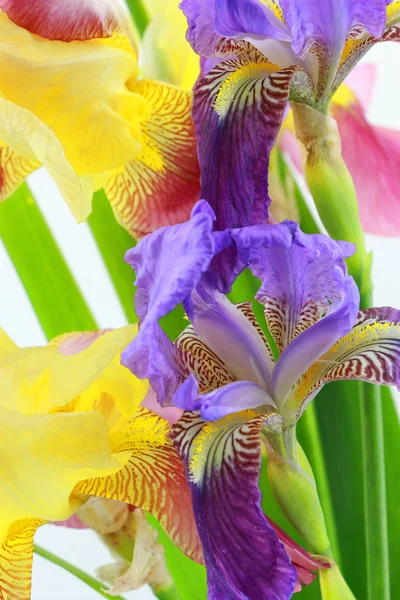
point(298, 282)
point(313, 342)
point(238, 109)
point(370, 352)
point(243, 555)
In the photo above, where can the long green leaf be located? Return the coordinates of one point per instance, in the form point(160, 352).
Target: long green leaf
point(113, 241)
point(51, 288)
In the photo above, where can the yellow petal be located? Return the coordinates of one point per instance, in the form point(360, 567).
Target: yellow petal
point(153, 480)
point(16, 554)
point(40, 379)
point(44, 457)
point(74, 108)
point(13, 170)
point(7, 346)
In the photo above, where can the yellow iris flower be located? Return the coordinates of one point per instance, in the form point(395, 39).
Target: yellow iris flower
point(71, 427)
point(71, 100)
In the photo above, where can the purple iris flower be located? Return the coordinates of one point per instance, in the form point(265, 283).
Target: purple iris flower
point(269, 51)
point(234, 388)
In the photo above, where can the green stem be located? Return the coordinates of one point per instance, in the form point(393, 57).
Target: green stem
point(55, 297)
point(312, 445)
point(170, 593)
point(113, 241)
point(88, 579)
point(139, 14)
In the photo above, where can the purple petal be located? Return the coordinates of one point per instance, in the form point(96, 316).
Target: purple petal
point(330, 21)
point(238, 18)
point(313, 342)
point(243, 556)
point(201, 32)
point(298, 283)
point(232, 398)
point(238, 109)
point(168, 263)
point(231, 336)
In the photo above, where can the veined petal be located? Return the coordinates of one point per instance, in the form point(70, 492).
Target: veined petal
point(368, 150)
point(309, 345)
point(168, 263)
point(161, 185)
point(238, 109)
point(370, 352)
point(16, 555)
point(243, 556)
point(231, 336)
point(154, 480)
point(34, 380)
point(13, 170)
point(201, 34)
point(67, 20)
point(298, 283)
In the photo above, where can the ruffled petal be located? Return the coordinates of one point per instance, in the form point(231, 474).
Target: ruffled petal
point(239, 18)
point(372, 155)
point(30, 370)
point(154, 480)
point(243, 556)
point(161, 185)
point(309, 345)
point(201, 34)
point(370, 352)
point(168, 263)
point(232, 398)
point(67, 20)
point(16, 556)
point(298, 283)
point(238, 109)
point(46, 456)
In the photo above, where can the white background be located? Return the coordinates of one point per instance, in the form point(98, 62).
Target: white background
point(79, 249)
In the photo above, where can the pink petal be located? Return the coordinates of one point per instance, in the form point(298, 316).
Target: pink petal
point(362, 82)
point(73, 522)
point(67, 20)
point(372, 155)
point(168, 413)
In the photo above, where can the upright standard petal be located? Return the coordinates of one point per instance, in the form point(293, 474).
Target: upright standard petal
point(239, 18)
point(298, 282)
point(161, 185)
point(168, 263)
point(201, 34)
point(154, 480)
point(67, 20)
point(238, 109)
point(370, 352)
point(243, 556)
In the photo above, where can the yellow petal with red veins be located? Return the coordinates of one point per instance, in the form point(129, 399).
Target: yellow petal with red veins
point(13, 170)
point(16, 553)
point(41, 379)
point(160, 186)
point(154, 480)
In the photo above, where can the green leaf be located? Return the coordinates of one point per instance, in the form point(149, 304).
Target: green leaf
point(113, 241)
point(139, 14)
point(51, 288)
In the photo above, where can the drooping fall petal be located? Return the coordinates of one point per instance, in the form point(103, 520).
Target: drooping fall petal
point(161, 185)
point(13, 170)
point(154, 480)
point(243, 556)
point(238, 109)
point(370, 352)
